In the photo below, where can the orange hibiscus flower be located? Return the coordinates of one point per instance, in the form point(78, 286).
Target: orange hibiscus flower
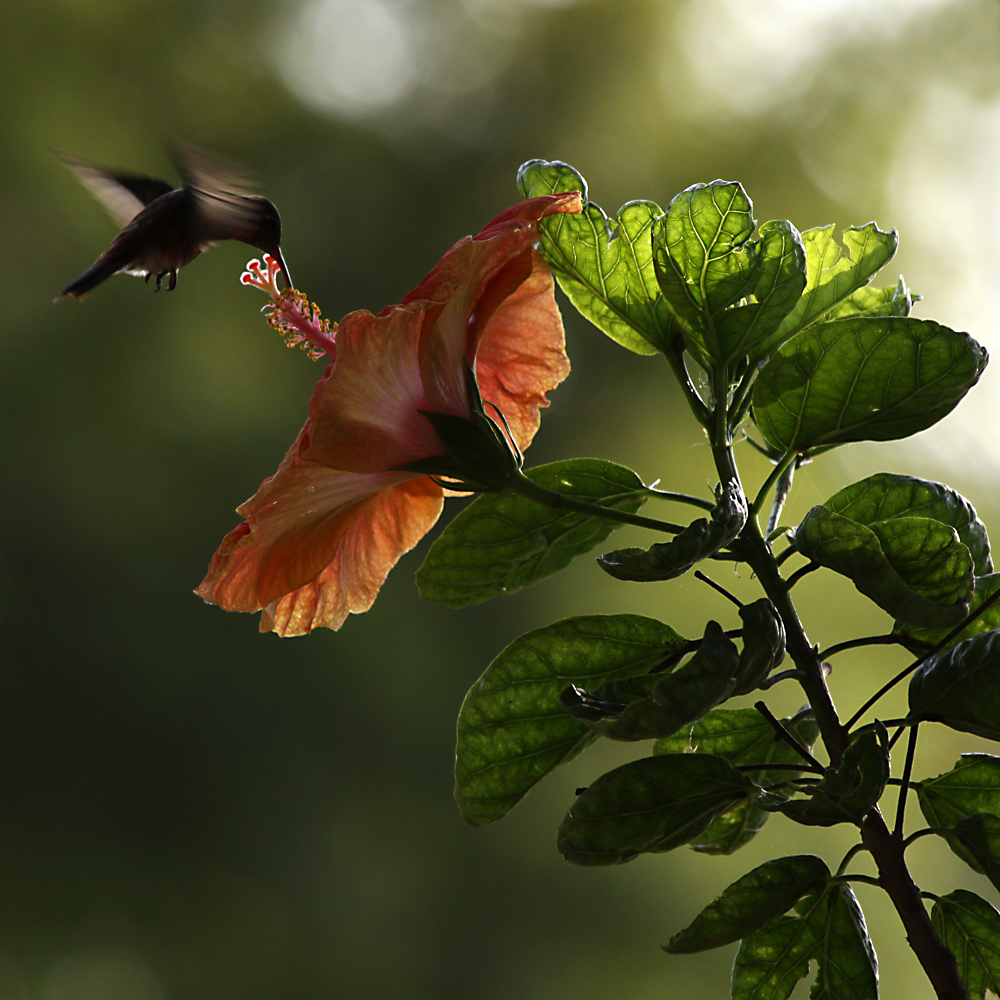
point(353, 494)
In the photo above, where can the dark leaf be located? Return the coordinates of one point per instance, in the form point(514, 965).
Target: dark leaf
point(863, 379)
point(670, 702)
point(913, 567)
point(828, 927)
point(604, 267)
point(970, 929)
point(750, 901)
point(512, 729)
point(848, 793)
point(980, 836)
point(919, 640)
point(698, 541)
point(885, 496)
point(743, 737)
point(763, 645)
point(972, 786)
point(502, 542)
point(649, 805)
point(960, 686)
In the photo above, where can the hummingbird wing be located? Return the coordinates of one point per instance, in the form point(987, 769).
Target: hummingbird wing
point(123, 196)
point(222, 192)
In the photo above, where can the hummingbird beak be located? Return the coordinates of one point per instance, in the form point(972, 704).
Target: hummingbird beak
point(284, 267)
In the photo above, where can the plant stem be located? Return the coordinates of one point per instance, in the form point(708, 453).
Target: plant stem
point(782, 487)
point(904, 787)
point(868, 640)
point(802, 571)
point(531, 490)
point(682, 498)
point(938, 962)
point(698, 575)
point(776, 473)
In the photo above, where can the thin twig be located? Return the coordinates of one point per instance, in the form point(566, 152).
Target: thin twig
point(904, 787)
point(781, 490)
point(786, 554)
point(936, 648)
point(868, 640)
point(866, 879)
point(814, 764)
point(802, 571)
point(682, 498)
point(894, 739)
point(850, 856)
point(715, 586)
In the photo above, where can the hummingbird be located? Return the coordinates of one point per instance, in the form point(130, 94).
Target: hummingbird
point(164, 228)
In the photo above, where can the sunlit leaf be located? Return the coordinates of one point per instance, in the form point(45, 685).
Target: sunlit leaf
point(847, 966)
point(960, 687)
point(834, 273)
point(512, 729)
point(863, 379)
point(913, 567)
point(604, 266)
point(980, 836)
point(649, 805)
point(767, 891)
point(698, 541)
point(502, 542)
point(667, 704)
point(705, 260)
point(970, 929)
point(894, 301)
point(752, 329)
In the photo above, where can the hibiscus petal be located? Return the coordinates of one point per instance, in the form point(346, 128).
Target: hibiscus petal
point(385, 527)
point(293, 529)
point(522, 354)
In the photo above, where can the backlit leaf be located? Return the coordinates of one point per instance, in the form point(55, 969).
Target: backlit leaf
point(970, 929)
point(863, 379)
point(604, 266)
point(650, 805)
point(512, 729)
point(502, 542)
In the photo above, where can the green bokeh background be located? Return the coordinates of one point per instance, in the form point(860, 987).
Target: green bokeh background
point(190, 810)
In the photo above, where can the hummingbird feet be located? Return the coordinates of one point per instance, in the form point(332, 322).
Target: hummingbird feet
point(171, 276)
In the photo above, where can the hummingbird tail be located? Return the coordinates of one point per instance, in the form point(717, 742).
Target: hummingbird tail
point(91, 278)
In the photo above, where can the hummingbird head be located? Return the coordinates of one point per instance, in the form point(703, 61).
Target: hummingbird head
point(265, 233)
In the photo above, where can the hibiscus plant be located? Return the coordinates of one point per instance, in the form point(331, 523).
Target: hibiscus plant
point(775, 337)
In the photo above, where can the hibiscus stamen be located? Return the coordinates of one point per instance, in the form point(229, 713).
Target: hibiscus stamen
point(290, 312)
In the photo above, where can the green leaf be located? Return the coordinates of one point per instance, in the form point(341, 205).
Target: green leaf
point(763, 645)
point(980, 836)
point(699, 540)
point(833, 274)
point(705, 261)
point(767, 891)
point(913, 567)
point(650, 805)
point(502, 542)
point(970, 930)
point(919, 640)
point(848, 968)
point(886, 495)
point(863, 379)
point(895, 301)
point(848, 793)
point(671, 702)
point(604, 267)
point(743, 737)
point(752, 329)
point(512, 729)
point(961, 687)
point(971, 787)
point(828, 927)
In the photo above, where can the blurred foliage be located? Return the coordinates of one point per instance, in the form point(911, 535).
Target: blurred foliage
point(191, 810)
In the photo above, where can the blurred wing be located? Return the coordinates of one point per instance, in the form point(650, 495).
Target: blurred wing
point(222, 191)
point(123, 196)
